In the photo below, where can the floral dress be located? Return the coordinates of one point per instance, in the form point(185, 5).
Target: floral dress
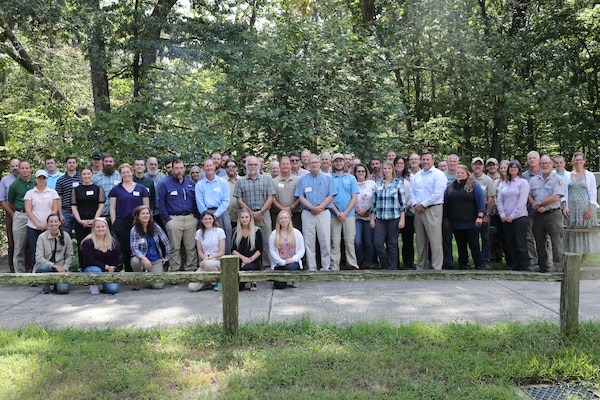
point(579, 201)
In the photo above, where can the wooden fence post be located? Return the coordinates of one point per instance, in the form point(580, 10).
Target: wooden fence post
point(230, 284)
point(569, 294)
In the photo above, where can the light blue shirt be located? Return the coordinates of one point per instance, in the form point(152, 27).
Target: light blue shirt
point(428, 187)
point(52, 179)
point(345, 186)
point(212, 194)
point(315, 188)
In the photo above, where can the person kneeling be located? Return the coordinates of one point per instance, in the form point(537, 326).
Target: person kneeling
point(101, 253)
point(210, 243)
point(53, 253)
point(286, 246)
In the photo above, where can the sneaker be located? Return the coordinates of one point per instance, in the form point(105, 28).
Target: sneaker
point(94, 289)
point(294, 284)
point(217, 287)
point(46, 289)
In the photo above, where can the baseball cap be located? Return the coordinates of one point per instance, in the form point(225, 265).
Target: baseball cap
point(473, 161)
point(336, 156)
point(97, 155)
point(491, 160)
point(41, 172)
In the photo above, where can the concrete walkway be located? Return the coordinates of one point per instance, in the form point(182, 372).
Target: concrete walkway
point(431, 301)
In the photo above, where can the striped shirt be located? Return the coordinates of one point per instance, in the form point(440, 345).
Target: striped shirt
point(65, 186)
point(388, 203)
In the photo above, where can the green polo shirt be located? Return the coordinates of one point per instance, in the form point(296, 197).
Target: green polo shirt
point(17, 190)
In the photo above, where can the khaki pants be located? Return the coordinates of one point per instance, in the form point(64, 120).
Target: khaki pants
point(209, 265)
point(182, 228)
point(428, 228)
point(348, 230)
point(19, 231)
point(157, 266)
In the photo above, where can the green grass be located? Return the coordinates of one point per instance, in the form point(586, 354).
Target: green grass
point(299, 360)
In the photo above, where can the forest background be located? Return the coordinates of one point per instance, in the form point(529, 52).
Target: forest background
point(182, 78)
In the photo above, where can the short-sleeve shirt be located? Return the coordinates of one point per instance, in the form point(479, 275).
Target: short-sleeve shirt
point(254, 192)
point(540, 188)
point(210, 240)
point(315, 188)
point(87, 198)
point(17, 190)
point(41, 203)
point(346, 186)
point(128, 201)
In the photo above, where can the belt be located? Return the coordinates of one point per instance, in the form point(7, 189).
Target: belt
point(182, 213)
point(433, 205)
point(550, 211)
point(19, 210)
point(212, 209)
point(67, 208)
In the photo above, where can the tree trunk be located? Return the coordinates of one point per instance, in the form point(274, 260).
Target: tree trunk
point(98, 62)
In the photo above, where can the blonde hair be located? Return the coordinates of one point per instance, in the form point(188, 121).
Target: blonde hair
point(237, 236)
point(470, 179)
point(105, 245)
point(289, 230)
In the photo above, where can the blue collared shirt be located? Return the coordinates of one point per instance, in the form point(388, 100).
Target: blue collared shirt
point(176, 197)
point(345, 186)
point(315, 188)
point(212, 194)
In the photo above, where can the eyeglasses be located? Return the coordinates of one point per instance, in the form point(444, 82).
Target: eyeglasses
point(231, 167)
point(361, 171)
point(294, 160)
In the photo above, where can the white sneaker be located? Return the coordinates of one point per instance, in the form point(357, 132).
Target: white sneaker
point(94, 289)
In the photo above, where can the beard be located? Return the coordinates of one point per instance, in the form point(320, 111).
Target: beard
point(376, 170)
point(108, 170)
point(252, 172)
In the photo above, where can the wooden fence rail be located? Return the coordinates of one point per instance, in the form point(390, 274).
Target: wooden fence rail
point(230, 276)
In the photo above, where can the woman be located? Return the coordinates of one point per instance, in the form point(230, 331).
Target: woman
point(464, 207)
point(503, 171)
point(387, 216)
point(195, 174)
point(247, 244)
point(124, 198)
point(286, 247)
point(101, 253)
point(408, 232)
point(580, 210)
point(150, 247)
point(363, 241)
point(87, 204)
point(512, 207)
point(40, 202)
point(53, 253)
point(210, 243)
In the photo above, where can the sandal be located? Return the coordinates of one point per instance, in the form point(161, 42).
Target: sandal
point(253, 287)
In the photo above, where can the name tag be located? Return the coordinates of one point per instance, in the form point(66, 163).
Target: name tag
point(217, 189)
point(379, 187)
point(89, 193)
point(346, 181)
point(281, 185)
point(173, 193)
point(116, 182)
point(308, 190)
point(136, 193)
point(75, 184)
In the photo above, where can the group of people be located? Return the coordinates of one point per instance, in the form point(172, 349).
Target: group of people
point(330, 211)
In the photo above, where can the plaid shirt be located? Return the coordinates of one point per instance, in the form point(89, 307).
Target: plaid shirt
point(107, 183)
point(388, 203)
point(139, 244)
point(254, 192)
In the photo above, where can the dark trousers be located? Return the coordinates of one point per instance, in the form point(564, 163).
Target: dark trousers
point(80, 234)
point(408, 246)
point(253, 266)
point(468, 237)
point(288, 267)
point(386, 242)
point(515, 236)
point(32, 236)
point(121, 229)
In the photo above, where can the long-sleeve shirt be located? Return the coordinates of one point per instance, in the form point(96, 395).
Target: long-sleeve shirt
point(212, 194)
point(277, 260)
point(176, 198)
point(139, 243)
point(512, 198)
point(97, 258)
point(46, 245)
point(388, 203)
point(428, 187)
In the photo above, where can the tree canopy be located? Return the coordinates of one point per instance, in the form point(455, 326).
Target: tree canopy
point(182, 78)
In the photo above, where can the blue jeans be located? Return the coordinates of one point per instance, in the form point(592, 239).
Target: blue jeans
point(364, 240)
point(484, 231)
point(288, 267)
point(32, 236)
point(386, 233)
point(109, 288)
point(61, 288)
point(69, 219)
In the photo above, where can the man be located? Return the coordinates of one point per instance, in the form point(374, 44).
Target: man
point(443, 166)
point(153, 172)
point(489, 193)
point(64, 187)
point(496, 252)
point(390, 156)
point(16, 201)
point(559, 166)
point(177, 205)
point(233, 210)
point(212, 193)
point(53, 172)
point(325, 162)
point(284, 199)
point(139, 169)
point(447, 232)
point(348, 162)
point(343, 215)
point(375, 167)
point(414, 161)
point(8, 211)
point(452, 162)
point(274, 169)
point(96, 162)
point(533, 160)
point(427, 197)
point(108, 179)
point(304, 156)
point(316, 191)
point(294, 157)
point(255, 192)
point(217, 157)
point(169, 166)
point(545, 194)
